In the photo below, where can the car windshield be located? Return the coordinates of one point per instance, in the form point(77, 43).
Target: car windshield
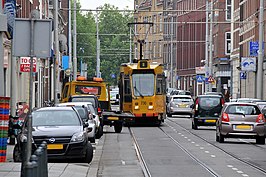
point(91, 109)
point(209, 101)
point(182, 99)
point(84, 89)
point(243, 109)
point(55, 118)
point(81, 112)
point(143, 84)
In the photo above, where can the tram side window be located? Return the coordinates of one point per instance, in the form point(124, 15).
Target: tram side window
point(127, 91)
point(160, 85)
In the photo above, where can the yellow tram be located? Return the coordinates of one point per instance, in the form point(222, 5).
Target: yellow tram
point(142, 89)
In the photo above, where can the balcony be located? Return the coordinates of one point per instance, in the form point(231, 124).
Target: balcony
point(145, 4)
point(159, 2)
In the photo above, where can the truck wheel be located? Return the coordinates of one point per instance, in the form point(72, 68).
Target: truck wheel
point(118, 127)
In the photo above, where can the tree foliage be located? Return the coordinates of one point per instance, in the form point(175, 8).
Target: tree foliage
point(114, 40)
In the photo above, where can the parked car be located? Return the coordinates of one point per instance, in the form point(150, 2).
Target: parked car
point(241, 120)
point(86, 116)
point(63, 130)
point(168, 91)
point(214, 93)
point(206, 110)
point(180, 105)
point(95, 102)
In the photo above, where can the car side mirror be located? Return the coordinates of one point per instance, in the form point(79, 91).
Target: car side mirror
point(117, 96)
point(86, 124)
point(58, 96)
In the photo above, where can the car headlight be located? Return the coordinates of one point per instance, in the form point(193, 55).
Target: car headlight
point(150, 107)
point(136, 107)
point(77, 137)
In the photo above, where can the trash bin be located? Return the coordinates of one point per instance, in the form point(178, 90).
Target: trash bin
point(4, 119)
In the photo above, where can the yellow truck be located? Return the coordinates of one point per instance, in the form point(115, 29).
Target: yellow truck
point(96, 87)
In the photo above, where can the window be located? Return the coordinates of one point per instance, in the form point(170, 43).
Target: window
point(227, 43)
point(160, 84)
point(161, 22)
point(143, 84)
point(154, 24)
point(228, 10)
point(65, 91)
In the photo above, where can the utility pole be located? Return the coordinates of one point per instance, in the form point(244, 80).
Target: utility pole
point(75, 40)
point(171, 59)
point(211, 54)
point(69, 36)
point(207, 47)
point(98, 45)
point(56, 49)
point(260, 52)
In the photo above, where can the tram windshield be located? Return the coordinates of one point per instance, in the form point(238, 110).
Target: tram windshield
point(143, 84)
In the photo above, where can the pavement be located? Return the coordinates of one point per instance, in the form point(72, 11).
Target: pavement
point(12, 169)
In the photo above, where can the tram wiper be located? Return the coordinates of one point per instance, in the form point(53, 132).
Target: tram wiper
point(135, 88)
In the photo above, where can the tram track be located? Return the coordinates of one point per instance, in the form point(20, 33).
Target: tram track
point(214, 145)
point(144, 165)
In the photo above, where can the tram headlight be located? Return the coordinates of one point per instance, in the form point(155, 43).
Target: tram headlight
point(150, 107)
point(136, 107)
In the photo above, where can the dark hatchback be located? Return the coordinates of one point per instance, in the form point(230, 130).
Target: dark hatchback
point(206, 110)
point(63, 130)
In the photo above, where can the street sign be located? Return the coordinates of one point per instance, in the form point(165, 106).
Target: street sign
point(25, 64)
point(253, 48)
point(199, 78)
point(211, 79)
point(248, 64)
point(243, 75)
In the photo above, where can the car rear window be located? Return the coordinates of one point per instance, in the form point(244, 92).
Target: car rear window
point(243, 109)
point(209, 101)
point(55, 118)
point(182, 99)
point(84, 99)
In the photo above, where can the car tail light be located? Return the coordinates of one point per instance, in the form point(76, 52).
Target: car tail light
point(197, 104)
point(260, 118)
point(99, 111)
point(225, 117)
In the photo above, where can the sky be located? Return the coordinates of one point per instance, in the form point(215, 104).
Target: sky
point(93, 4)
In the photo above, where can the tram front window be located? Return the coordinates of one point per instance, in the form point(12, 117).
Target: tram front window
point(143, 84)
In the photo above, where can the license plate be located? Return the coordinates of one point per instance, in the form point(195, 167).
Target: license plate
point(210, 121)
point(183, 105)
point(243, 127)
point(54, 146)
point(113, 118)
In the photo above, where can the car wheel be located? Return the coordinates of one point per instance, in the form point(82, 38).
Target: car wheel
point(17, 154)
point(169, 115)
point(118, 127)
point(217, 137)
point(89, 153)
point(221, 138)
point(260, 140)
point(99, 132)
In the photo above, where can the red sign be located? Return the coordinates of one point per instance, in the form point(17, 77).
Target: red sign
point(25, 64)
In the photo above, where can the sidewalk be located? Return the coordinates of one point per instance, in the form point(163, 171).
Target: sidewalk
point(11, 169)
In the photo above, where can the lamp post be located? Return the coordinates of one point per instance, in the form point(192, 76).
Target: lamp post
point(98, 60)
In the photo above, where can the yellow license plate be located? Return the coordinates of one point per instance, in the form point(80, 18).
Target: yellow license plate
point(183, 105)
point(243, 127)
point(113, 118)
point(54, 146)
point(210, 121)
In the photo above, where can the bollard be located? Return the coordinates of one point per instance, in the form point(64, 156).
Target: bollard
point(34, 160)
point(23, 158)
point(38, 154)
point(45, 160)
point(29, 169)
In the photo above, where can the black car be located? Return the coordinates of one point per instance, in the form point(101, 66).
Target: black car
point(206, 110)
point(63, 130)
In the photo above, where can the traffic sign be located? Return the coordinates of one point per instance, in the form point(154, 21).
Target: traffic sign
point(199, 78)
point(253, 48)
point(243, 75)
point(210, 79)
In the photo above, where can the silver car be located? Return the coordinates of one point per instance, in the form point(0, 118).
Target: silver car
point(241, 120)
point(180, 105)
point(91, 130)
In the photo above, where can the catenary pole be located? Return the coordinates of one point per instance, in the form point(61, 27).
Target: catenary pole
point(56, 49)
point(69, 36)
point(1, 58)
point(207, 46)
point(75, 40)
point(260, 52)
point(211, 47)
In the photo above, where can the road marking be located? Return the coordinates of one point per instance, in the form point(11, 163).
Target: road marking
point(230, 166)
point(234, 169)
point(192, 142)
point(213, 156)
point(207, 152)
point(245, 175)
point(239, 171)
point(201, 147)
